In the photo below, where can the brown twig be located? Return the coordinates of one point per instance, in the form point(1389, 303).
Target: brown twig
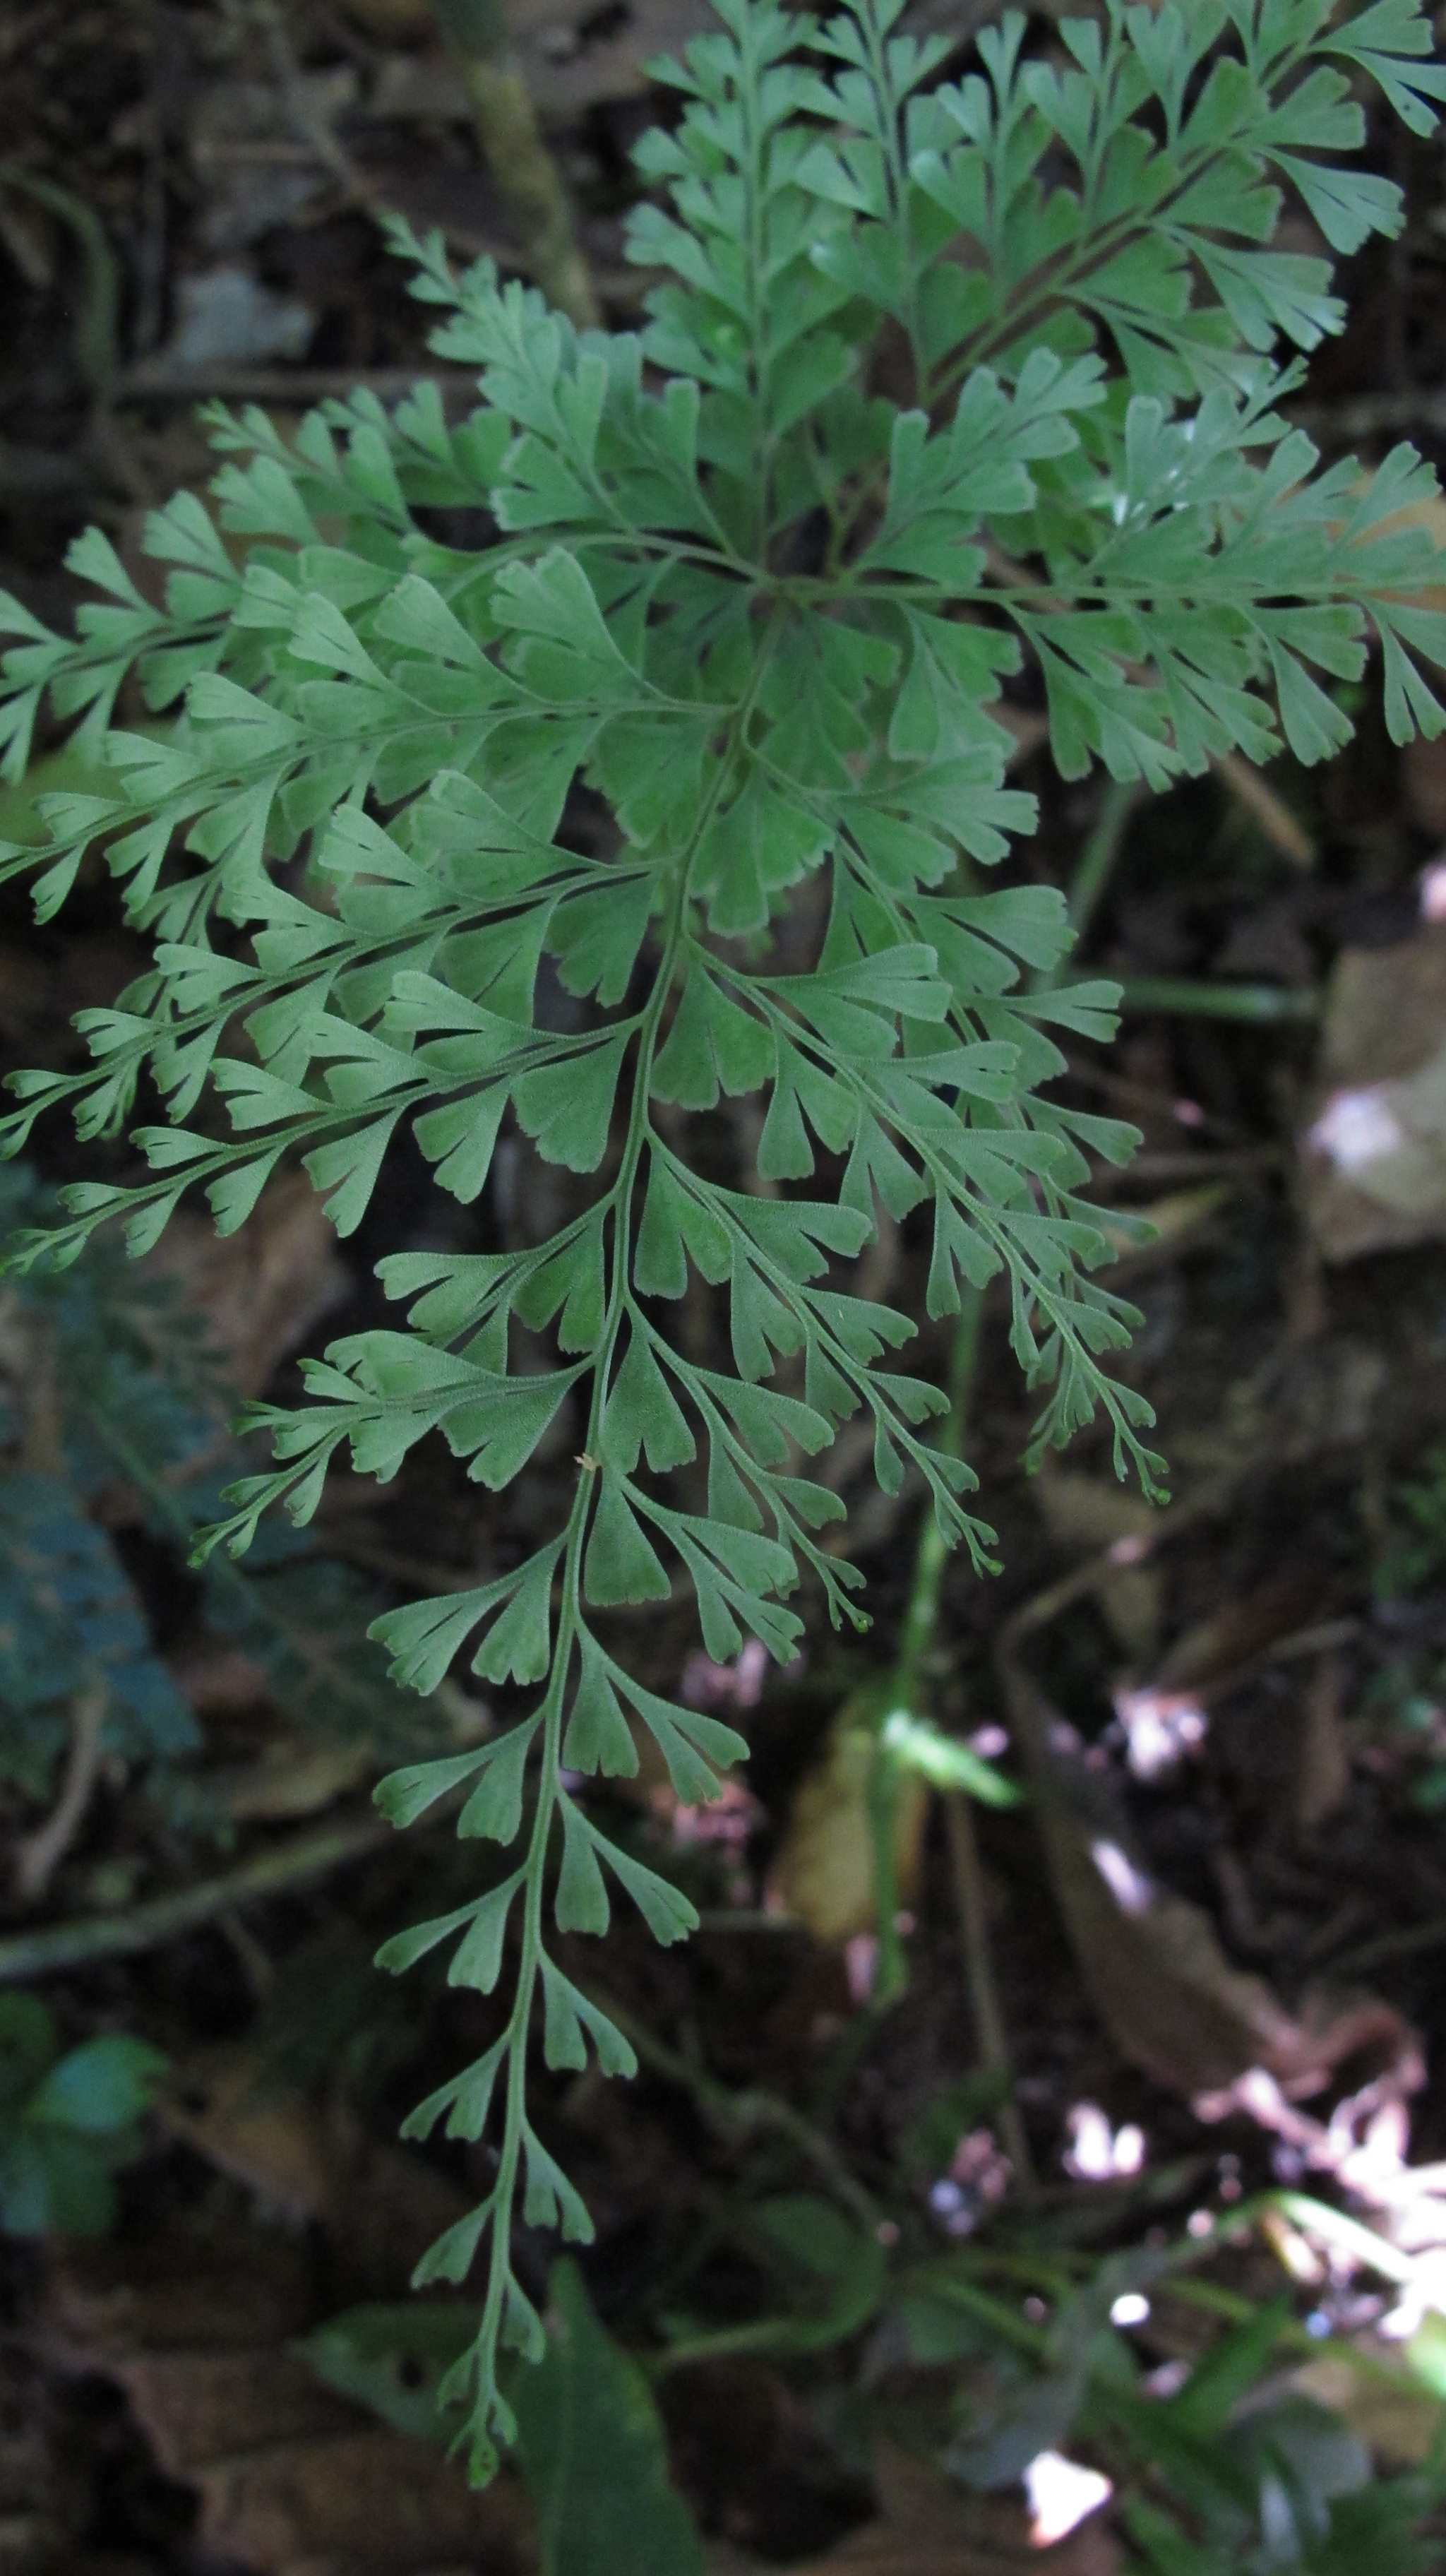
point(272, 1872)
point(38, 1855)
point(1282, 829)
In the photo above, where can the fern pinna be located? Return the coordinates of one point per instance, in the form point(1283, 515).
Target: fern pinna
point(763, 611)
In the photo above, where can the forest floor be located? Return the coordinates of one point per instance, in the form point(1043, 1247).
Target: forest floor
point(1249, 1688)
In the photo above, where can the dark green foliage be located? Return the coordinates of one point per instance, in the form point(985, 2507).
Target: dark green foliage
point(590, 2445)
point(591, 2449)
point(395, 2359)
point(111, 1384)
point(66, 2121)
point(70, 1623)
point(764, 612)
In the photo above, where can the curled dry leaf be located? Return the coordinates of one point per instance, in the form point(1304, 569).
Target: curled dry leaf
point(824, 1873)
point(1247, 1629)
point(1322, 1778)
point(268, 2137)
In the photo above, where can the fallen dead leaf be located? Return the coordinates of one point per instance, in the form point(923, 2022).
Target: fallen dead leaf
point(194, 2323)
point(928, 2526)
point(1374, 1154)
point(273, 2140)
point(1401, 2422)
point(1153, 1964)
point(1085, 1515)
point(219, 1681)
point(824, 1873)
point(296, 1776)
point(195, 2406)
point(1245, 1630)
point(364, 2503)
point(304, 2159)
point(1322, 1778)
point(262, 1289)
point(571, 53)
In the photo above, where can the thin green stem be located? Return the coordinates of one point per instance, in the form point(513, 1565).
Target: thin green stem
point(932, 1550)
point(909, 1692)
point(1182, 998)
point(1098, 858)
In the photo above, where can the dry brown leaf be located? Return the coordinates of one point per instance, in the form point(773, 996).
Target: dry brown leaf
point(1153, 1965)
point(197, 2284)
point(262, 1289)
point(1401, 2422)
point(296, 1776)
point(1323, 1755)
point(928, 2526)
point(194, 2324)
point(307, 2161)
point(364, 2503)
point(1374, 1154)
point(571, 54)
point(219, 1681)
point(270, 2138)
point(1220, 1649)
point(194, 2406)
point(824, 1873)
point(1087, 1514)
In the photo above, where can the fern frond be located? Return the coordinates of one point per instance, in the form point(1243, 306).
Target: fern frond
point(764, 612)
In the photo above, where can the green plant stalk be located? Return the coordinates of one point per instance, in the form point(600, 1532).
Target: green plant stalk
point(97, 321)
point(1180, 996)
point(907, 1688)
point(908, 1691)
point(1100, 854)
point(741, 2111)
point(523, 170)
